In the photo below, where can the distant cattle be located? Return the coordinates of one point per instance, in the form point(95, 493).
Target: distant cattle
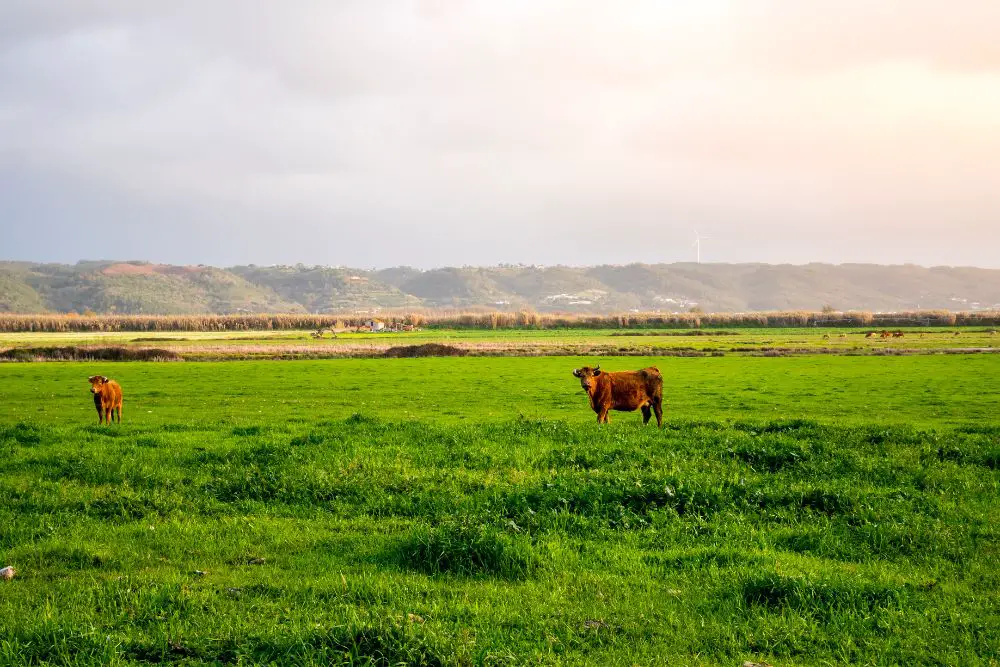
point(624, 391)
point(897, 334)
point(885, 334)
point(870, 334)
point(319, 333)
point(107, 398)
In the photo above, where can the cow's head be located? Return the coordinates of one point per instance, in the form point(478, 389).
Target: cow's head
point(588, 376)
point(97, 382)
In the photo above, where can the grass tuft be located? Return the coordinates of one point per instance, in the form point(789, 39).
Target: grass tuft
point(459, 547)
point(825, 597)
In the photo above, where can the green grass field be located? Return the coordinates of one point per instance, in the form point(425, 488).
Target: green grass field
point(801, 510)
point(212, 345)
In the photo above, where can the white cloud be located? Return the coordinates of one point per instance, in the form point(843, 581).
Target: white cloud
point(561, 131)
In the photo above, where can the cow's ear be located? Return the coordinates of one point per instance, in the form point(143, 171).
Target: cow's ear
point(576, 372)
point(91, 378)
point(104, 378)
point(597, 371)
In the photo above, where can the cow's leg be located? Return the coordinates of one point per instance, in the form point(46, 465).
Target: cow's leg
point(658, 409)
point(100, 414)
point(646, 414)
point(119, 413)
point(602, 416)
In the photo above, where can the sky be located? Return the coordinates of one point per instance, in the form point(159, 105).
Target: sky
point(374, 133)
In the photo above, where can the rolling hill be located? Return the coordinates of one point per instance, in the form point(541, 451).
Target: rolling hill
point(140, 287)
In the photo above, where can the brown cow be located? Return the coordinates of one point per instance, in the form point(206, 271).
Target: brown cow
point(107, 398)
point(624, 391)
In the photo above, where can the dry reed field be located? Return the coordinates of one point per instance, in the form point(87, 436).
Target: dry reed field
point(10, 322)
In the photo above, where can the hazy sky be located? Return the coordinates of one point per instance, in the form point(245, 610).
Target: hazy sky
point(449, 132)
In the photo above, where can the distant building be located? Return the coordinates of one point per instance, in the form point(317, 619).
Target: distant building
point(375, 325)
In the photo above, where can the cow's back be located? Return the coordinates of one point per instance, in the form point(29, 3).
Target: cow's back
point(630, 390)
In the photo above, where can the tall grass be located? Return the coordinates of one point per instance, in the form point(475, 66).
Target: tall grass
point(10, 322)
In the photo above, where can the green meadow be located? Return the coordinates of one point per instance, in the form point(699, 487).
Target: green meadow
point(218, 345)
point(806, 510)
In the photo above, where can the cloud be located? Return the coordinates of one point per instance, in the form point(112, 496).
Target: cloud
point(356, 132)
point(833, 34)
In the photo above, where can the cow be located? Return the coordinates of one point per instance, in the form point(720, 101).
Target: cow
point(624, 391)
point(107, 398)
point(870, 334)
point(897, 334)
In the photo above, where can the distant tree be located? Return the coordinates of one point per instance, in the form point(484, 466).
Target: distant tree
point(827, 309)
point(696, 310)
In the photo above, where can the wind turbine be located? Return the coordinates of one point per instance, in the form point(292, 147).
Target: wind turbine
point(698, 238)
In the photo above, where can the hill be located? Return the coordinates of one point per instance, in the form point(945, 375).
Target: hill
point(141, 287)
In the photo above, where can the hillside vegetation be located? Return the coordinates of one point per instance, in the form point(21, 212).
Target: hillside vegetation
point(144, 288)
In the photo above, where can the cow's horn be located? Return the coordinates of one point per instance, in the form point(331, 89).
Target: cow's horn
point(104, 378)
point(597, 367)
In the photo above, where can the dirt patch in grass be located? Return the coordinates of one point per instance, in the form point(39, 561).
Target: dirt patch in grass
point(425, 350)
point(154, 339)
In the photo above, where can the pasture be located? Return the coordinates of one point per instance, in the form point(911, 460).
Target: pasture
point(794, 510)
point(285, 344)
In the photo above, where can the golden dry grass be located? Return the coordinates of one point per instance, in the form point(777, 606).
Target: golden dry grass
point(11, 322)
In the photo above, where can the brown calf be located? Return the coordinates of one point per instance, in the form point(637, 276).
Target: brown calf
point(107, 398)
point(625, 391)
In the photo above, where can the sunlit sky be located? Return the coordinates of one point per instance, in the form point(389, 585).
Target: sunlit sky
point(446, 132)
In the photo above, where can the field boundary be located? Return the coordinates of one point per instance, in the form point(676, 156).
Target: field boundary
point(458, 349)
